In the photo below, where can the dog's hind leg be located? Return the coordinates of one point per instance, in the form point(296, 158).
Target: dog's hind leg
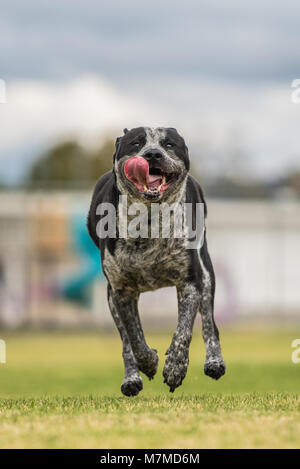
point(132, 383)
point(124, 307)
point(214, 365)
point(178, 353)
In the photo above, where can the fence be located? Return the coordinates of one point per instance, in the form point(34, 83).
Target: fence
point(50, 271)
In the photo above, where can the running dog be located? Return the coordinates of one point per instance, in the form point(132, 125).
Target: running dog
point(151, 167)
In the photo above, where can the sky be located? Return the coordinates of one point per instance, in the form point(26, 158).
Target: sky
point(221, 72)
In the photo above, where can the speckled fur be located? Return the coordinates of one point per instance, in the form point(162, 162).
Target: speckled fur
point(133, 266)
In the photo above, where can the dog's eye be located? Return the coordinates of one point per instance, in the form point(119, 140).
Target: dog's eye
point(135, 144)
point(169, 145)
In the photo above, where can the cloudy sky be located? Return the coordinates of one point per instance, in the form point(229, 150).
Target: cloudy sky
point(221, 72)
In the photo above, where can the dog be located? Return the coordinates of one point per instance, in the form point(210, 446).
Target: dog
point(150, 167)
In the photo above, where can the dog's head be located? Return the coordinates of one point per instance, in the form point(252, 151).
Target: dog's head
point(151, 163)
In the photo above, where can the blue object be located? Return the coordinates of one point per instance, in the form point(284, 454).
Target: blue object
point(78, 286)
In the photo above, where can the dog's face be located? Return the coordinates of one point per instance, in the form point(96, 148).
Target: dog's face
point(151, 163)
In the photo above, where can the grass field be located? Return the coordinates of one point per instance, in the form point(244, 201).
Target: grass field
point(62, 390)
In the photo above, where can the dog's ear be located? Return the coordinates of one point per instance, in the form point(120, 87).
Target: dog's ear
point(183, 149)
point(117, 146)
point(186, 157)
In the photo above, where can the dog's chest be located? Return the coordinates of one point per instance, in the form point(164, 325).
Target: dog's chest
point(146, 264)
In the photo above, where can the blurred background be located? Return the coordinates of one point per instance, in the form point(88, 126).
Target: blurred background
point(76, 73)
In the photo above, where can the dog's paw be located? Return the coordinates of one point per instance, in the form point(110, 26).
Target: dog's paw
point(214, 367)
point(148, 362)
point(175, 368)
point(132, 385)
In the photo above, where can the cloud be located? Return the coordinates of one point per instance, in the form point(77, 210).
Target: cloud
point(219, 71)
point(216, 118)
point(241, 41)
point(37, 114)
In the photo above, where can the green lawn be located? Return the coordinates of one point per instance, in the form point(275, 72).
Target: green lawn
point(62, 390)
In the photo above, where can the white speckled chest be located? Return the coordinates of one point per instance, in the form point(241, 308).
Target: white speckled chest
point(146, 264)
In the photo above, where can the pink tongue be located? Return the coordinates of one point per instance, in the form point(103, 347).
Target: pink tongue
point(154, 180)
point(136, 169)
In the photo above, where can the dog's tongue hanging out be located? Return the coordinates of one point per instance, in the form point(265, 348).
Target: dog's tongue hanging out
point(136, 169)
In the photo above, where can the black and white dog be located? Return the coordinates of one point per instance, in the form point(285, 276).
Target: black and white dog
point(150, 166)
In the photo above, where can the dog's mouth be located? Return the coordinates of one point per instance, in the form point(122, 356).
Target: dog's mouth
point(149, 181)
point(158, 180)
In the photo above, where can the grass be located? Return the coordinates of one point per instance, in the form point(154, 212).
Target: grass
point(63, 391)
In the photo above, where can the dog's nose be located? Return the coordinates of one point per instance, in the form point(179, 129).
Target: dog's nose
point(153, 154)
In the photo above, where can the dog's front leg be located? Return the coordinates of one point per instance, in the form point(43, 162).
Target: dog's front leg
point(178, 353)
point(214, 365)
point(132, 383)
point(125, 304)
